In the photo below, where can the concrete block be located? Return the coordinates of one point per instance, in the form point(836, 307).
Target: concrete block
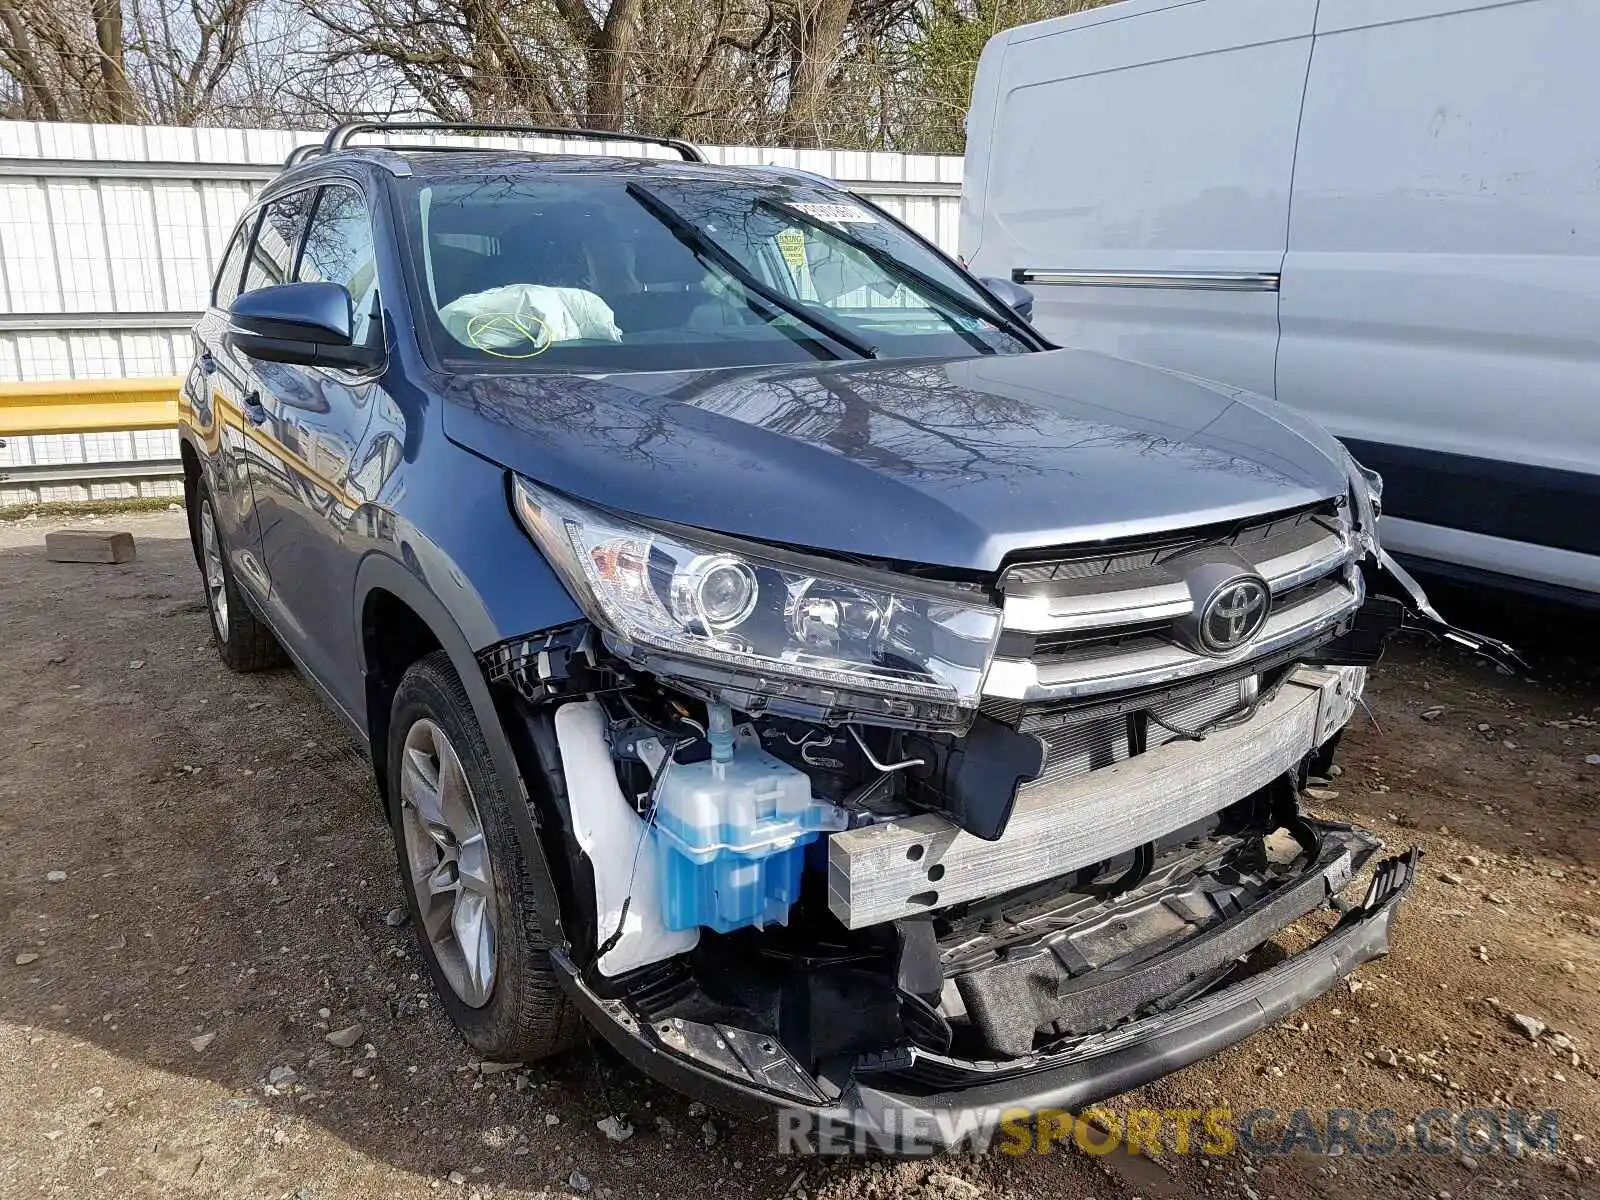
point(89, 546)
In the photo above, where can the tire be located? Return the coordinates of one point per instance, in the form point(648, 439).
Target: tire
point(518, 1012)
point(243, 640)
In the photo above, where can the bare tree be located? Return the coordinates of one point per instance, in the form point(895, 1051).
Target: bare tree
point(891, 74)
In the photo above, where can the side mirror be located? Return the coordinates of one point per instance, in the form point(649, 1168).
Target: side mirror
point(1013, 295)
point(304, 323)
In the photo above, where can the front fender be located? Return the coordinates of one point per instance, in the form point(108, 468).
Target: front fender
point(381, 572)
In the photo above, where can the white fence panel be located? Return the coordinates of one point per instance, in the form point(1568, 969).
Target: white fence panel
point(109, 235)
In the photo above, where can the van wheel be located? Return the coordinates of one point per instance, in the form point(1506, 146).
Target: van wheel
point(243, 639)
point(465, 877)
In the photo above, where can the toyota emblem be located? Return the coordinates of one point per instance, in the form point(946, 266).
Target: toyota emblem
point(1233, 614)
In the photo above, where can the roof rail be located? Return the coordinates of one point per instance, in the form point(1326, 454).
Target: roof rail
point(340, 137)
point(300, 153)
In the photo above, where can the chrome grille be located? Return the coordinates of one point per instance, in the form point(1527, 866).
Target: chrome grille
point(1089, 623)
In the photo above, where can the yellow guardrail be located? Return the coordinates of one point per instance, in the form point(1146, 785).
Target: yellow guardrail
point(88, 406)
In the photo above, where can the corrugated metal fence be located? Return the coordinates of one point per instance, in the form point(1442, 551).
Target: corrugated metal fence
point(109, 234)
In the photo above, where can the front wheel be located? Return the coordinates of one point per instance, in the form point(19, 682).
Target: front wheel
point(464, 874)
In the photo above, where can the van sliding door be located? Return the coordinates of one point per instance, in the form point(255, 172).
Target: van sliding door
point(1136, 176)
point(1441, 292)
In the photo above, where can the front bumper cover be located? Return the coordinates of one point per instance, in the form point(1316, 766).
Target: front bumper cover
point(901, 1100)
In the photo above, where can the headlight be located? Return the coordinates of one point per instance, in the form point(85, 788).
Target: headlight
point(807, 633)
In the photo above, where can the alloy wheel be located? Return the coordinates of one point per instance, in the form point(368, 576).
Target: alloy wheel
point(211, 560)
point(447, 860)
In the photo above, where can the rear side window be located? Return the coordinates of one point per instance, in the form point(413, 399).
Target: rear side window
point(277, 238)
point(339, 249)
point(226, 286)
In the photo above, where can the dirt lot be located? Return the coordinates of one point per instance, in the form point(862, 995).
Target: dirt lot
point(227, 876)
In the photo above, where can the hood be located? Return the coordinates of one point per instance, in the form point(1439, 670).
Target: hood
point(952, 463)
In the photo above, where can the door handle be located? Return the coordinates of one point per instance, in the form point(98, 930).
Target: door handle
point(208, 362)
point(253, 411)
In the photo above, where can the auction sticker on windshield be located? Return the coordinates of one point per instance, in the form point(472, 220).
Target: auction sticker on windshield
point(836, 214)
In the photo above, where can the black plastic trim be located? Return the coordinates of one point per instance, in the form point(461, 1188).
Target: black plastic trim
point(1094, 1069)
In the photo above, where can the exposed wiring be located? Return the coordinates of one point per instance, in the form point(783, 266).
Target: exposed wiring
point(873, 759)
point(1199, 735)
point(1226, 721)
point(1367, 708)
point(633, 711)
point(644, 834)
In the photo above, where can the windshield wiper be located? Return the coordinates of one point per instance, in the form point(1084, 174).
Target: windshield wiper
point(911, 276)
point(706, 248)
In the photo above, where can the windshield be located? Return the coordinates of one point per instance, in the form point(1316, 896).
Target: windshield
point(655, 271)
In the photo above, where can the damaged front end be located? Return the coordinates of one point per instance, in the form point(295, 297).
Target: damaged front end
point(852, 839)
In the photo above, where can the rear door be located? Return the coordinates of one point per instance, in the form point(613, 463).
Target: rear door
point(1134, 164)
point(213, 395)
point(1441, 292)
point(307, 446)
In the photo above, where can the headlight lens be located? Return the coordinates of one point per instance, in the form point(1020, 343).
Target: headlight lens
point(760, 613)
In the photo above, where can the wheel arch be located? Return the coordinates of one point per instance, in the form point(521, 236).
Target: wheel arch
point(399, 620)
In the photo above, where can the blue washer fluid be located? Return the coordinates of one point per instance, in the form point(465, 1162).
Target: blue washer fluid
point(730, 837)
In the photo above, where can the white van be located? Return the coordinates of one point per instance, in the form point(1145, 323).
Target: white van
point(1385, 213)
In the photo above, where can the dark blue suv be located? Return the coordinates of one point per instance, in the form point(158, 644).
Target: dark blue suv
point(772, 653)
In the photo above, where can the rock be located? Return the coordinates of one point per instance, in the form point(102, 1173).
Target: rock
point(1472, 860)
point(954, 1186)
point(282, 1076)
point(360, 1072)
point(579, 1182)
point(498, 1068)
point(1592, 759)
point(1561, 1041)
point(55, 877)
point(666, 1128)
point(1387, 1057)
point(1451, 877)
point(136, 665)
point(1483, 727)
point(89, 546)
point(551, 1119)
point(457, 1178)
point(1432, 713)
point(200, 1044)
point(1531, 1026)
point(1318, 793)
point(346, 1037)
point(696, 1110)
point(395, 917)
point(1495, 898)
point(616, 1129)
point(708, 1133)
point(26, 957)
point(1481, 953)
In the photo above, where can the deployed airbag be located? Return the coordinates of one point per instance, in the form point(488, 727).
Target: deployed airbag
point(519, 320)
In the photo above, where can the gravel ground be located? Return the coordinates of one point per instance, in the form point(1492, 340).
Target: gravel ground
point(195, 884)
